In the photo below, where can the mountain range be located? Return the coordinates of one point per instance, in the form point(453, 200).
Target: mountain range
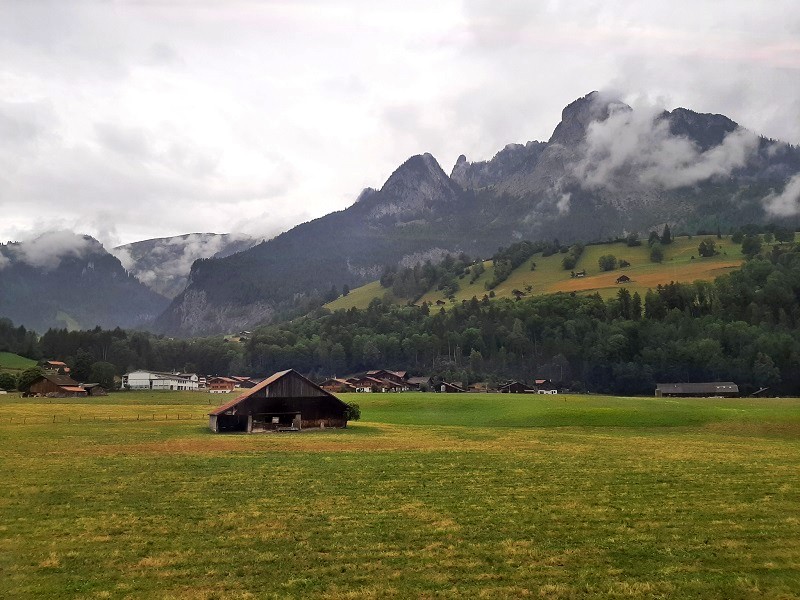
point(607, 170)
point(60, 279)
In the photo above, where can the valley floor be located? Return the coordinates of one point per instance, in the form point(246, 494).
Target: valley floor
point(430, 495)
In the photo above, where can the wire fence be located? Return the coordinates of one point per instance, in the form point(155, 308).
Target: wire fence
point(100, 419)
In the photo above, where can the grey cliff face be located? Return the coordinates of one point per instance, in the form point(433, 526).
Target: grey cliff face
point(510, 160)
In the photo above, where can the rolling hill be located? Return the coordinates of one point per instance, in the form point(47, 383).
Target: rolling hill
point(681, 264)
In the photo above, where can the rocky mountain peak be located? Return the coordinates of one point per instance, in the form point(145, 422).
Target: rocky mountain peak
point(578, 115)
point(419, 184)
point(705, 129)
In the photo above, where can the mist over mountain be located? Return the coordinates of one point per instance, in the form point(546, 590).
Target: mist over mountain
point(60, 279)
point(163, 264)
point(607, 170)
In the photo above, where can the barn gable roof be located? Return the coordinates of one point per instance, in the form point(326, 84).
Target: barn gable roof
point(61, 380)
point(265, 385)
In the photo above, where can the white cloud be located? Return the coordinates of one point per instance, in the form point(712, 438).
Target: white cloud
point(48, 249)
point(640, 141)
point(786, 203)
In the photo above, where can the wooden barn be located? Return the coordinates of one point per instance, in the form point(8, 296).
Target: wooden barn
point(623, 279)
point(56, 386)
point(286, 401)
point(698, 390)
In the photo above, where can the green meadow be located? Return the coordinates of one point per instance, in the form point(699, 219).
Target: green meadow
point(428, 496)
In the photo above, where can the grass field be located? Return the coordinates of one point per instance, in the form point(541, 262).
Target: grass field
point(451, 496)
point(550, 277)
point(14, 363)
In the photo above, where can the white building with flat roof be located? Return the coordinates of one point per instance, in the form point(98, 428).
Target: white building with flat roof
point(156, 380)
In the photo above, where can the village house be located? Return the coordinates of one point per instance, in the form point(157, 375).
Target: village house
point(399, 378)
point(221, 385)
point(373, 384)
point(545, 386)
point(155, 380)
point(698, 390)
point(286, 401)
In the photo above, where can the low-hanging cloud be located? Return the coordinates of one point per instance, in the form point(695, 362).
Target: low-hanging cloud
point(640, 141)
point(786, 203)
point(165, 266)
point(46, 251)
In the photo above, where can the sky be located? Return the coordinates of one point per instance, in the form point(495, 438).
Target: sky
point(136, 119)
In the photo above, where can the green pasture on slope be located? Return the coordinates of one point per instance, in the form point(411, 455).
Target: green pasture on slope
point(14, 363)
point(429, 496)
point(681, 263)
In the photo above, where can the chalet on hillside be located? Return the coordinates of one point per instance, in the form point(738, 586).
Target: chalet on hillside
point(286, 401)
point(698, 390)
point(623, 279)
point(57, 386)
point(516, 387)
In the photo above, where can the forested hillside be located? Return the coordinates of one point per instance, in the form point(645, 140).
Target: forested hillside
point(744, 326)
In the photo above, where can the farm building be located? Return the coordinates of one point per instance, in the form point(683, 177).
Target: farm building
point(449, 388)
point(57, 386)
point(697, 390)
point(155, 380)
point(416, 383)
point(286, 401)
point(516, 387)
point(623, 279)
point(94, 389)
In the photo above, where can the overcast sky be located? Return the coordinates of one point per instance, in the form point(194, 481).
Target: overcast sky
point(130, 120)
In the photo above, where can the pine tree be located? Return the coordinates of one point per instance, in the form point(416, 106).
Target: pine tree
point(666, 236)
